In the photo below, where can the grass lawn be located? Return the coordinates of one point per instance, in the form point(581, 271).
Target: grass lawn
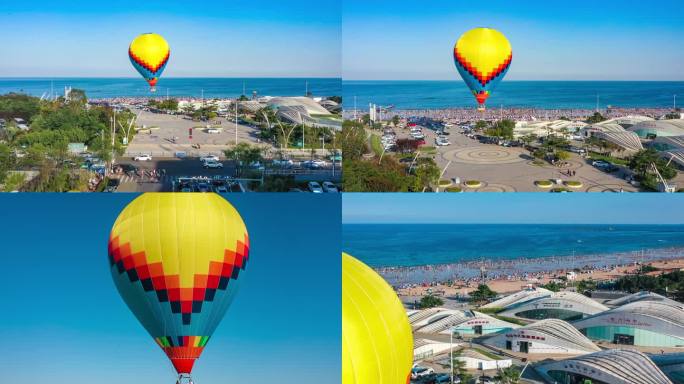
point(487, 353)
point(611, 159)
point(376, 144)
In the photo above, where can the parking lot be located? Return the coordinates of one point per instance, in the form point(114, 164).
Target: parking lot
point(161, 174)
point(500, 168)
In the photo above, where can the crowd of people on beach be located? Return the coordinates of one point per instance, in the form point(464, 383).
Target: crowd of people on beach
point(462, 115)
point(519, 269)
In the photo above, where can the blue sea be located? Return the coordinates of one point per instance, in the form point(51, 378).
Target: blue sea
point(511, 94)
point(177, 87)
point(403, 245)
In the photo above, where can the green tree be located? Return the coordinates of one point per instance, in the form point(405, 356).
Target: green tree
point(562, 155)
point(482, 294)
point(244, 154)
point(480, 125)
point(7, 161)
point(586, 286)
point(430, 301)
point(426, 174)
point(552, 286)
point(595, 118)
point(352, 139)
point(369, 176)
point(509, 375)
point(642, 165)
point(395, 120)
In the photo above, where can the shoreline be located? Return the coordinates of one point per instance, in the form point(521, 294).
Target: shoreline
point(512, 112)
point(510, 275)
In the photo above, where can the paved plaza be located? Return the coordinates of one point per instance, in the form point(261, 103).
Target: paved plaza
point(512, 169)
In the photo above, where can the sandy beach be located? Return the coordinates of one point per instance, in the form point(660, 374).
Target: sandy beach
point(539, 271)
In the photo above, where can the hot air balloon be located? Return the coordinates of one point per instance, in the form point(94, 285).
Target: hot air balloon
point(377, 344)
point(482, 57)
point(149, 54)
point(177, 259)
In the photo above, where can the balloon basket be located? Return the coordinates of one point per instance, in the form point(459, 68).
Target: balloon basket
point(153, 89)
point(184, 378)
point(481, 109)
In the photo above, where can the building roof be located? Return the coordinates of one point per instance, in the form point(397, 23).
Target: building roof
point(656, 316)
point(640, 296)
point(609, 366)
point(560, 330)
point(445, 323)
point(310, 106)
point(558, 300)
point(674, 127)
point(518, 297)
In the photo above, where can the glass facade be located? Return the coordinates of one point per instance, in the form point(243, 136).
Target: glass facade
point(550, 313)
point(632, 336)
point(563, 377)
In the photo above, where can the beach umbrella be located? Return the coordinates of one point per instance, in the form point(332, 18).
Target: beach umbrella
point(482, 57)
point(176, 259)
point(149, 54)
point(377, 344)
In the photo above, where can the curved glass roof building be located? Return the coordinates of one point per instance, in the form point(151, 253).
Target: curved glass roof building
point(559, 305)
point(640, 323)
point(612, 366)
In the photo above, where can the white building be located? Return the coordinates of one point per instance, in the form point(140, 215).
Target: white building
point(550, 336)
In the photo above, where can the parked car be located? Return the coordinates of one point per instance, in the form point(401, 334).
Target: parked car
point(314, 187)
point(330, 187)
point(212, 165)
point(604, 165)
point(419, 371)
point(143, 157)
point(213, 130)
point(442, 141)
point(203, 187)
point(206, 158)
point(283, 163)
point(221, 189)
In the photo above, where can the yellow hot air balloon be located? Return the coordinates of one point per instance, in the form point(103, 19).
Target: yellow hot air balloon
point(149, 54)
point(482, 56)
point(377, 343)
point(177, 260)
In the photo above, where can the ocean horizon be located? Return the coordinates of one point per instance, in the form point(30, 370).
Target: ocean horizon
point(540, 94)
point(406, 245)
point(213, 87)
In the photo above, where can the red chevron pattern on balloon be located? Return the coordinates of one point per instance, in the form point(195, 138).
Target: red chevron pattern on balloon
point(477, 74)
point(183, 300)
point(147, 65)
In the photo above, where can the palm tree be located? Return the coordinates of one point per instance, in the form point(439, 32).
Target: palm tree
point(509, 375)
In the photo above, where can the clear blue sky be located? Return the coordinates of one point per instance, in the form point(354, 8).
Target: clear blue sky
point(64, 322)
point(208, 38)
point(552, 40)
point(523, 208)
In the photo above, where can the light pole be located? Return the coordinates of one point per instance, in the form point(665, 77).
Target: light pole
point(236, 120)
point(451, 354)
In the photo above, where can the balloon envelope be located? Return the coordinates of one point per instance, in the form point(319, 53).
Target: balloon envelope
point(149, 54)
point(482, 57)
point(377, 343)
point(176, 260)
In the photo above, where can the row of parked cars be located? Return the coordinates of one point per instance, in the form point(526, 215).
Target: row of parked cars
point(316, 187)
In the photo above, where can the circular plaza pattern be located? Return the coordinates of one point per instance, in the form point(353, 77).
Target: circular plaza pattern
point(484, 155)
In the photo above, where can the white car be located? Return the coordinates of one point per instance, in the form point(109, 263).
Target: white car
point(314, 187)
point(213, 130)
point(330, 187)
point(143, 157)
point(418, 135)
point(442, 141)
point(206, 158)
point(418, 371)
point(213, 164)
